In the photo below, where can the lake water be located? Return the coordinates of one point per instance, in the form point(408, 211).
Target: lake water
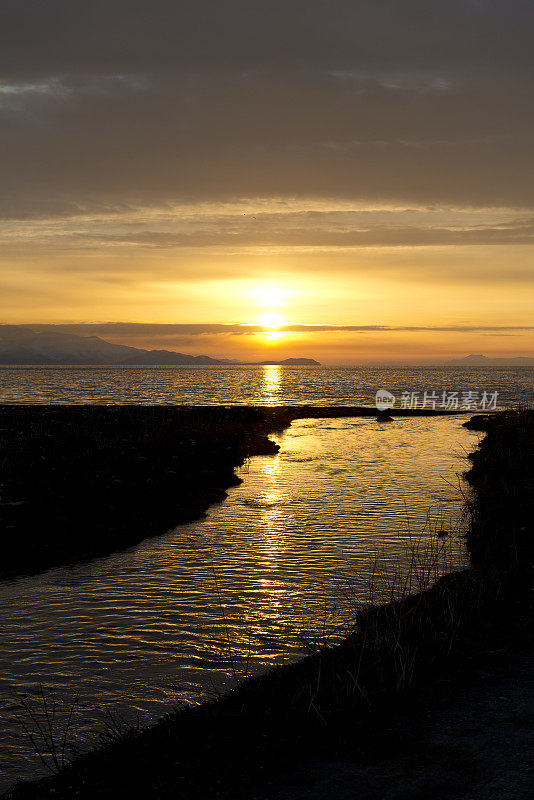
point(266, 385)
point(273, 565)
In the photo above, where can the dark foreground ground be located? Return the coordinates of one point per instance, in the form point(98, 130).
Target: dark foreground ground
point(82, 481)
point(459, 744)
point(429, 697)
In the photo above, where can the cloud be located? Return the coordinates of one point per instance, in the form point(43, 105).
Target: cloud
point(157, 156)
point(123, 35)
point(123, 102)
point(317, 238)
point(134, 330)
point(329, 228)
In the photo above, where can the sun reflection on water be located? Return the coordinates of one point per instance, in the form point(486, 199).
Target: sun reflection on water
point(273, 522)
point(272, 517)
point(271, 380)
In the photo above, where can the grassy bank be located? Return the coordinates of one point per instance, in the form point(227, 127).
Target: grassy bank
point(82, 481)
point(413, 651)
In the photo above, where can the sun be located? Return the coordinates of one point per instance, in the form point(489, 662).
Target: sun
point(271, 296)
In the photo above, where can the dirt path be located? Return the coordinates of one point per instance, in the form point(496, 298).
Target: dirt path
point(477, 746)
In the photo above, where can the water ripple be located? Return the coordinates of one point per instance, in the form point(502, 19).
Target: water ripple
point(158, 623)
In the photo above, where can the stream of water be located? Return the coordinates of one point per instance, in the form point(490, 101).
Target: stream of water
point(270, 567)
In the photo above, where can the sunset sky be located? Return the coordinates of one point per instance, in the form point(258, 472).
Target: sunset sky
point(351, 181)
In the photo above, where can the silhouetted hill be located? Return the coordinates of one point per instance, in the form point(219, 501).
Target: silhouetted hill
point(21, 345)
point(163, 357)
point(293, 362)
point(25, 346)
point(484, 361)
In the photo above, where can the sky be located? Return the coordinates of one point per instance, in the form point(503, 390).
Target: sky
point(350, 181)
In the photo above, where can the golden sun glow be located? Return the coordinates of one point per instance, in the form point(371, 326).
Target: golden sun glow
point(271, 319)
point(270, 295)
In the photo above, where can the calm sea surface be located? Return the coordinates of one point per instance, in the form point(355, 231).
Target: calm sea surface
point(277, 564)
point(252, 385)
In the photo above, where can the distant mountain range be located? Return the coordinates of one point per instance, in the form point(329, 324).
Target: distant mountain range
point(484, 361)
point(24, 346)
point(21, 345)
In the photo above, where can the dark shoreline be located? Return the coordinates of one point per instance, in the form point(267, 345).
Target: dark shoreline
point(402, 661)
point(78, 482)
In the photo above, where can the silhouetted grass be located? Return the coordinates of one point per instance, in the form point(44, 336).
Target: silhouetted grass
point(47, 724)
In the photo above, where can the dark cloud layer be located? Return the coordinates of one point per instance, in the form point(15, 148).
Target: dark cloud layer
point(168, 331)
point(109, 103)
point(381, 237)
point(109, 36)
